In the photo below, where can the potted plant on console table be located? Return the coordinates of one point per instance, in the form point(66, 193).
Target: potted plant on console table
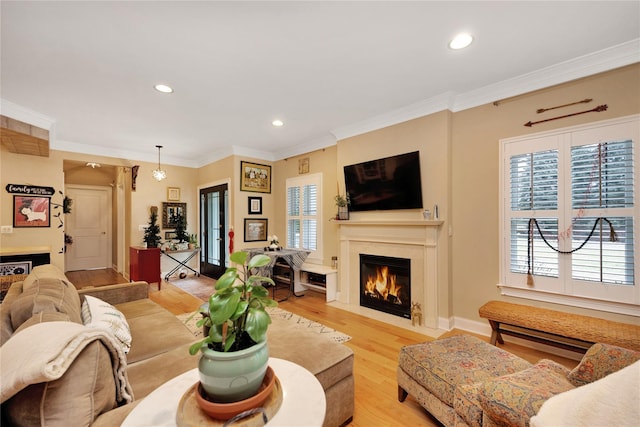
point(236, 345)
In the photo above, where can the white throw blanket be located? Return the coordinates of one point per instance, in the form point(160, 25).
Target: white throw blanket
point(43, 352)
point(611, 401)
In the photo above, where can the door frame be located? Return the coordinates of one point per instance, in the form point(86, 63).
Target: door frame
point(227, 182)
point(109, 219)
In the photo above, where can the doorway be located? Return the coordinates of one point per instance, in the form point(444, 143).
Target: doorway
point(214, 202)
point(89, 227)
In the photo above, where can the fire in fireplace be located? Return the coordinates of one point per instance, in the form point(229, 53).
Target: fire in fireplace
point(385, 284)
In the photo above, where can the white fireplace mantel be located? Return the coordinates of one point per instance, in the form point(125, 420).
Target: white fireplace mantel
point(416, 240)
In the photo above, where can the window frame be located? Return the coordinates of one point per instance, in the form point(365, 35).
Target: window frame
point(300, 181)
point(564, 289)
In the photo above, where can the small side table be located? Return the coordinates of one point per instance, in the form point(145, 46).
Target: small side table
point(144, 264)
point(303, 401)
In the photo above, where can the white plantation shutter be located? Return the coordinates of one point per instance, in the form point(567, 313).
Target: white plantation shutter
point(303, 212)
point(569, 215)
point(602, 180)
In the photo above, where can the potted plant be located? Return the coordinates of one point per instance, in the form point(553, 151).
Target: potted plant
point(193, 241)
point(342, 202)
point(236, 345)
point(181, 232)
point(151, 233)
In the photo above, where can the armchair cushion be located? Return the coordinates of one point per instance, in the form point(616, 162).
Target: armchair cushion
point(513, 399)
point(601, 360)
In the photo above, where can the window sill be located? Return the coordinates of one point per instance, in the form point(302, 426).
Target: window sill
point(574, 301)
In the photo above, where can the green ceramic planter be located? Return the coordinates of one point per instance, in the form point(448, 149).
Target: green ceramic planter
point(233, 376)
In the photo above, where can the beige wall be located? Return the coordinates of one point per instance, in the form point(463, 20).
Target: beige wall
point(475, 180)
point(323, 162)
point(228, 171)
point(459, 159)
point(31, 170)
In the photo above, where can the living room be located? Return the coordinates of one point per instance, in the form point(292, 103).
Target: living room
point(460, 155)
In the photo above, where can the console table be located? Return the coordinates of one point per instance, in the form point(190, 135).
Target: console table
point(180, 259)
point(303, 402)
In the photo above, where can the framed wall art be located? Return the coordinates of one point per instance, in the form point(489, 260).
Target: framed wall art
point(30, 211)
point(255, 177)
point(170, 235)
point(255, 206)
point(170, 211)
point(255, 230)
point(173, 194)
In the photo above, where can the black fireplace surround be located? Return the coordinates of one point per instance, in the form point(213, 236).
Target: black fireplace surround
point(385, 284)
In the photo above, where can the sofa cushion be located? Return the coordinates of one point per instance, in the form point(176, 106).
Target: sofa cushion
point(441, 365)
point(47, 271)
point(99, 314)
point(86, 390)
point(154, 330)
point(45, 294)
point(601, 360)
point(513, 399)
point(6, 329)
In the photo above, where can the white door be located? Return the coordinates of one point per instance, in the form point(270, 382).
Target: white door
point(89, 225)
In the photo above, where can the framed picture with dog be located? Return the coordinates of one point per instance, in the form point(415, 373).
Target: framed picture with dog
point(31, 211)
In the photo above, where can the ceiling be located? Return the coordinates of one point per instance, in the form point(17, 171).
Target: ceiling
point(327, 69)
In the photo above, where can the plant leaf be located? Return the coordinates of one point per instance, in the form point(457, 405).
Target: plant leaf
point(227, 279)
point(258, 261)
point(239, 257)
point(222, 307)
point(256, 324)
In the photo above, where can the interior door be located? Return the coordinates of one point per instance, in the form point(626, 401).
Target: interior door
point(89, 225)
point(213, 230)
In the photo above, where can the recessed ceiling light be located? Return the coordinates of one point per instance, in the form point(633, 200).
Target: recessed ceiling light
point(163, 88)
point(460, 41)
point(277, 123)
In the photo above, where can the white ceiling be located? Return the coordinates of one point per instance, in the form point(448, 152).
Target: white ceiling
point(327, 69)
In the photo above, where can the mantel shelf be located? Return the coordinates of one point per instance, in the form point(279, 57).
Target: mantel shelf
point(397, 223)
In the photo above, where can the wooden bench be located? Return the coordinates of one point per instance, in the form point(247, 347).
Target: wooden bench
point(565, 330)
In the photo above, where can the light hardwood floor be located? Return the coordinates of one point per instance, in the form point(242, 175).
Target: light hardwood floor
point(376, 346)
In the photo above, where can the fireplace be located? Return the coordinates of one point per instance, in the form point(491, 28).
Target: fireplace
point(385, 284)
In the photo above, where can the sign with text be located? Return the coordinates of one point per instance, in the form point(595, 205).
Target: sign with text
point(30, 189)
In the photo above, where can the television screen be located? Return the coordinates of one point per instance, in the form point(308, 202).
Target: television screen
point(385, 184)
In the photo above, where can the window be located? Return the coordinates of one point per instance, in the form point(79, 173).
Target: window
point(569, 216)
point(303, 213)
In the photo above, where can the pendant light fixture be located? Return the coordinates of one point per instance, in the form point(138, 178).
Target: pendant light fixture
point(159, 174)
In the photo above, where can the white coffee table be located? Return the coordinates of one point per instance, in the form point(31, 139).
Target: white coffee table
point(303, 399)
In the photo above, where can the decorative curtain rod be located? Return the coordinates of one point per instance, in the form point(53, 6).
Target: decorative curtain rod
point(598, 109)
point(584, 101)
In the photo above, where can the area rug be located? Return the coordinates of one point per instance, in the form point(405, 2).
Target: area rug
point(278, 315)
point(200, 287)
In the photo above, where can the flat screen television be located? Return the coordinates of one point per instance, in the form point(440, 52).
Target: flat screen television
point(385, 184)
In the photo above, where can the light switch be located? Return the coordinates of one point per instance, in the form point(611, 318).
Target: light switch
point(6, 229)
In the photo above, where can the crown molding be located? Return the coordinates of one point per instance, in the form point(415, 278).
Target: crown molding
point(20, 113)
point(306, 147)
point(410, 112)
point(98, 150)
point(583, 66)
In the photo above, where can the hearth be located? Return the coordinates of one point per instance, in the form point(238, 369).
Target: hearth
point(385, 284)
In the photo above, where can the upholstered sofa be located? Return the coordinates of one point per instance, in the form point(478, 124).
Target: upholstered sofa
point(463, 381)
point(56, 370)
